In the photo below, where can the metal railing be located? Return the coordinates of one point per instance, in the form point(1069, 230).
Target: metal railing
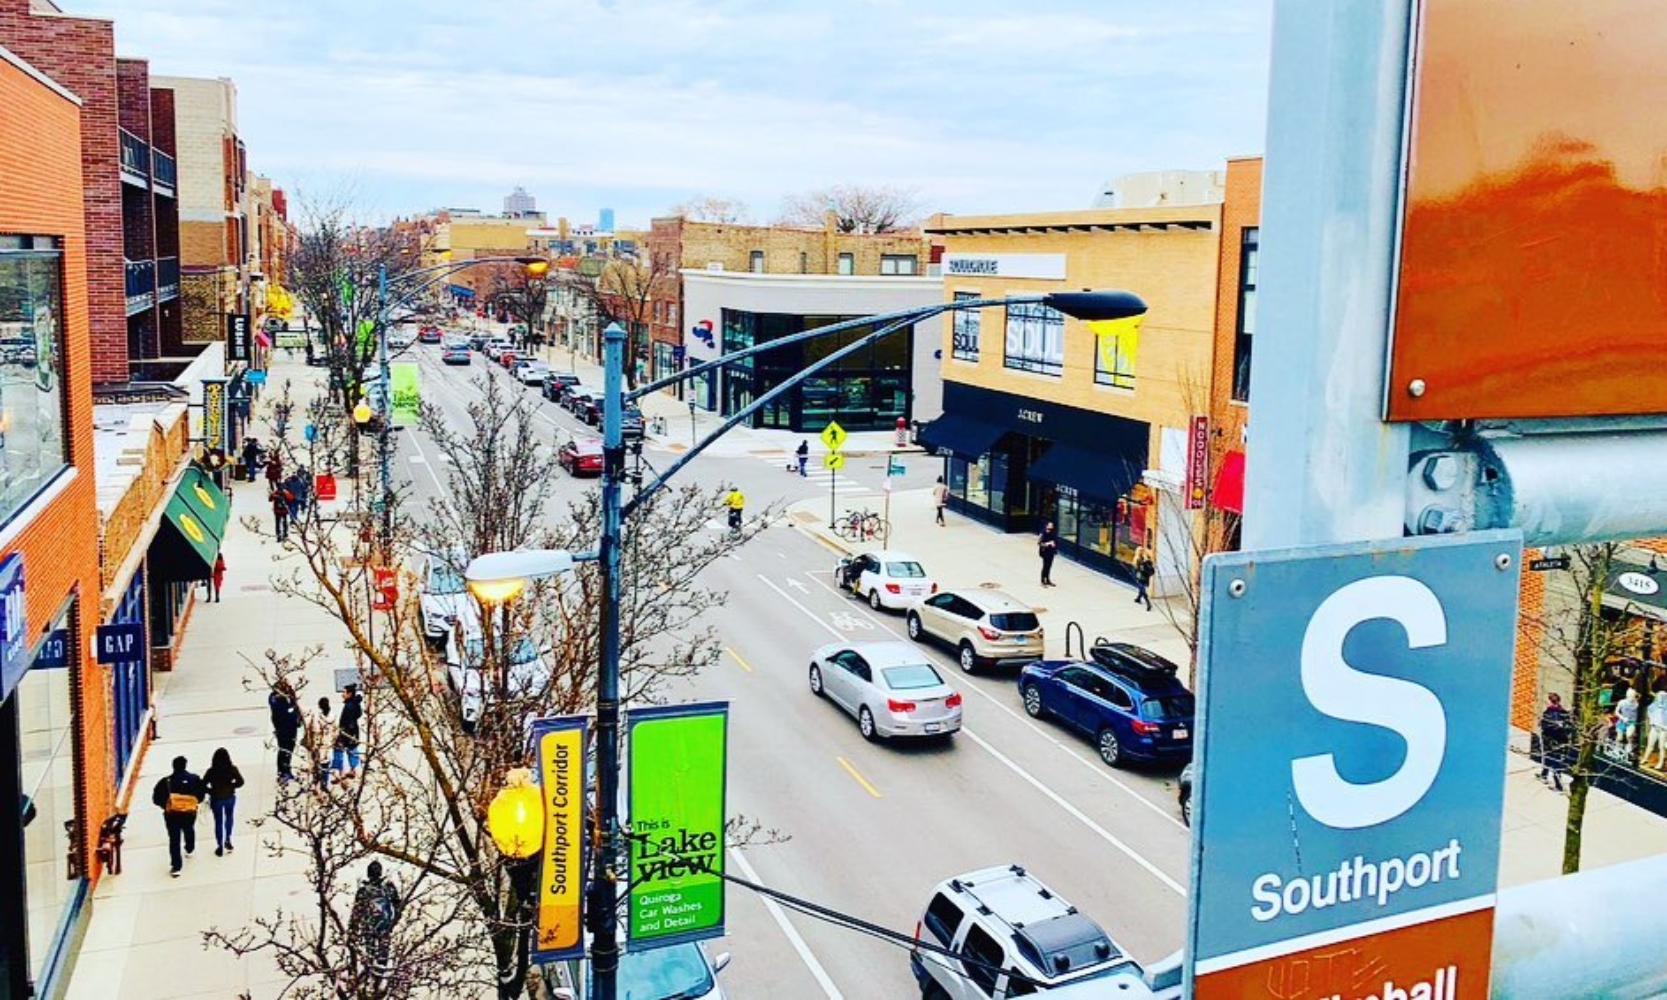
point(135, 155)
point(164, 172)
point(167, 278)
point(141, 283)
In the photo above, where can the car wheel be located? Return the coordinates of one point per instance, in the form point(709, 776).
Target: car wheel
point(968, 658)
point(874, 598)
point(865, 723)
point(916, 633)
point(1186, 806)
point(933, 992)
point(1033, 701)
point(815, 680)
point(1111, 751)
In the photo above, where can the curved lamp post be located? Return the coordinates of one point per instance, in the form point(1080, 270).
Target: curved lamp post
point(509, 571)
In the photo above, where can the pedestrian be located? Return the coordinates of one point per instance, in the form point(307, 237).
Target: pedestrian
point(222, 779)
point(280, 514)
point(251, 458)
point(304, 488)
point(376, 909)
point(1556, 732)
point(1047, 546)
point(321, 733)
point(179, 795)
point(1144, 570)
point(804, 456)
point(940, 499)
point(292, 494)
point(217, 577)
point(346, 751)
point(737, 503)
point(286, 726)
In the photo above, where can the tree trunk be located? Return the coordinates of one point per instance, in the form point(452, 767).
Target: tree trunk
point(1572, 829)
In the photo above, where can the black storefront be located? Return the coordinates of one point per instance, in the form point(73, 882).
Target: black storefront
point(1016, 462)
point(869, 390)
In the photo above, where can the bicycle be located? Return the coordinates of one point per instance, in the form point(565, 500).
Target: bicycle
point(862, 526)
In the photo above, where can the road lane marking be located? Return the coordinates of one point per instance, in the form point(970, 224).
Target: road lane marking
point(813, 616)
point(1060, 801)
point(818, 973)
point(852, 771)
point(737, 658)
point(1092, 764)
point(438, 485)
point(796, 585)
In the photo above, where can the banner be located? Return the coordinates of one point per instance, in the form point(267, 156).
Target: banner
point(237, 337)
point(408, 394)
point(1118, 341)
point(678, 755)
point(214, 414)
point(561, 747)
point(1198, 462)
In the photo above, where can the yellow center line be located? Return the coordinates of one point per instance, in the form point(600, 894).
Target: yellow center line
point(737, 658)
point(860, 779)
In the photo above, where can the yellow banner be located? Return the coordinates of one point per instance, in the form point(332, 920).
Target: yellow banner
point(214, 413)
point(561, 760)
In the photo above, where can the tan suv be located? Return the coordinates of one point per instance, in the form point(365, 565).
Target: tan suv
point(984, 627)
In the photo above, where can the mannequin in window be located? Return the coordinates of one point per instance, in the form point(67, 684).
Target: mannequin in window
point(1626, 720)
point(1656, 716)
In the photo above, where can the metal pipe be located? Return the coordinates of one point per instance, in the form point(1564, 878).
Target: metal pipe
point(604, 891)
point(386, 408)
point(1590, 934)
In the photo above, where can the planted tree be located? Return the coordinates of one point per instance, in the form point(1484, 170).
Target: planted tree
point(856, 208)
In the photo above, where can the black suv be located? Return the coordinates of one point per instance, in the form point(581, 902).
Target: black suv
point(553, 382)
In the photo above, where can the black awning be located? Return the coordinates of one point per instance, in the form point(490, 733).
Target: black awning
point(1093, 473)
point(966, 436)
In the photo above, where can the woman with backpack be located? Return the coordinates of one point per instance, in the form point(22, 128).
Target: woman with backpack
point(223, 780)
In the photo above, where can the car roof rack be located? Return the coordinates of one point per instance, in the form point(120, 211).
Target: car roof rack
point(1124, 658)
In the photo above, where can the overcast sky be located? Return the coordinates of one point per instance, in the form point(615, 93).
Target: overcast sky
point(977, 105)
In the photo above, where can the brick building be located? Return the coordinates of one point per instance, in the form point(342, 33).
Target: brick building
point(55, 747)
point(213, 237)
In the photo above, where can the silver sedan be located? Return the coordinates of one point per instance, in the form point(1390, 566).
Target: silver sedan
point(888, 686)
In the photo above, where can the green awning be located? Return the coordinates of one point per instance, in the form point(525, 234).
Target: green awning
point(192, 526)
point(213, 507)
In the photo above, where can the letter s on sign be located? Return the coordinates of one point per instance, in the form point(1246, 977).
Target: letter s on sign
point(1342, 692)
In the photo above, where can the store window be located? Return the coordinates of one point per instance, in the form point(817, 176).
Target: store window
point(1114, 361)
point(847, 263)
point(756, 262)
point(1248, 250)
point(896, 263)
point(964, 329)
point(33, 447)
point(48, 765)
point(1035, 338)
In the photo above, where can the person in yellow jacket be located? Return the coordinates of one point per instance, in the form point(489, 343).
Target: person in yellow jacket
point(736, 501)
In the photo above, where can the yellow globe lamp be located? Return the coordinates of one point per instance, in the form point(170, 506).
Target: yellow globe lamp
point(515, 819)
point(362, 413)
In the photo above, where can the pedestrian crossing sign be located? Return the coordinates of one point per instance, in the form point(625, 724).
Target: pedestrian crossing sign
point(833, 436)
point(834, 460)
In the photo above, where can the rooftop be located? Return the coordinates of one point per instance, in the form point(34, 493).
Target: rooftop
point(121, 443)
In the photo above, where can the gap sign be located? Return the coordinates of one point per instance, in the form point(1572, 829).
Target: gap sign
point(1351, 771)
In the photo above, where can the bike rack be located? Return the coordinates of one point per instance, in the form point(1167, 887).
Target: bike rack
point(1081, 640)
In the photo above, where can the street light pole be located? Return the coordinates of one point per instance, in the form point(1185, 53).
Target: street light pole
point(604, 890)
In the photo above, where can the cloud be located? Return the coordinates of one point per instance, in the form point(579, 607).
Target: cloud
point(638, 104)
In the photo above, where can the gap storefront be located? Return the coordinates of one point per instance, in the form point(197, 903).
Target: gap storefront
point(1017, 462)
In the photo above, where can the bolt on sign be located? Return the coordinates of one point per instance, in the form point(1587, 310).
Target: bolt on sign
point(1532, 245)
point(407, 390)
point(561, 745)
point(678, 756)
point(1357, 856)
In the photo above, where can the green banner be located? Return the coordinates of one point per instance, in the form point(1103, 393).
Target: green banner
point(408, 393)
point(677, 764)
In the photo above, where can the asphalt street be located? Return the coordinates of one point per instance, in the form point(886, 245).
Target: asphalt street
point(872, 827)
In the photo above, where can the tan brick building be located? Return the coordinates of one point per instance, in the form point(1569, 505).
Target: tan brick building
point(213, 169)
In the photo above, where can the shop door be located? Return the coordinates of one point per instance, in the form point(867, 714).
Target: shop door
point(738, 393)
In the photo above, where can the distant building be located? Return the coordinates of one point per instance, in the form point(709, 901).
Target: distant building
point(1164, 189)
point(519, 203)
point(605, 221)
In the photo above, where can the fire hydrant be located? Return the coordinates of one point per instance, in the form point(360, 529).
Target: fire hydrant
point(902, 433)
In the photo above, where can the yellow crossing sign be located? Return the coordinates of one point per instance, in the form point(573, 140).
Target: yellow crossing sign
point(834, 460)
point(833, 436)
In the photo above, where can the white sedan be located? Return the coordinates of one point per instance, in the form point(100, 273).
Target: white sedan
point(889, 686)
point(888, 578)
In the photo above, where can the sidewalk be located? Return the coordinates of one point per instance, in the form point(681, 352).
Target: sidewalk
point(144, 938)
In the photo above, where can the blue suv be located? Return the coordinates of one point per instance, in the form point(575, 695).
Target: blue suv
point(1125, 698)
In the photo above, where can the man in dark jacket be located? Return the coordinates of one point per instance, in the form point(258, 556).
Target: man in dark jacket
point(1556, 733)
point(178, 796)
point(346, 753)
point(286, 727)
point(376, 908)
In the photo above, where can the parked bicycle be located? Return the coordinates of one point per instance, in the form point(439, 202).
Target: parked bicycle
point(862, 526)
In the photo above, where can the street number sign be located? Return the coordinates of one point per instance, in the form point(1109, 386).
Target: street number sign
point(834, 460)
point(1358, 850)
point(834, 436)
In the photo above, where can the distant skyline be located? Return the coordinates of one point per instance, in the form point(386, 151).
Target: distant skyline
point(975, 105)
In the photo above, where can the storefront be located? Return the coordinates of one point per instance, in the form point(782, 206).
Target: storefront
point(1017, 462)
point(867, 390)
point(1635, 768)
point(181, 555)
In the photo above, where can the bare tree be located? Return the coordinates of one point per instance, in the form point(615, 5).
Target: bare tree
point(708, 208)
point(427, 777)
point(623, 292)
point(855, 208)
point(522, 295)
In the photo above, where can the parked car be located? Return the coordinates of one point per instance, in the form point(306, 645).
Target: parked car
point(888, 686)
point(443, 597)
point(553, 382)
point(528, 676)
point(1126, 699)
point(1020, 937)
point(580, 400)
point(589, 409)
point(1183, 792)
point(580, 456)
point(532, 372)
point(478, 341)
point(984, 627)
point(680, 971)
point(455, 355)
point(887, 577)
point(400, 337)
point(430, 335)
point(566, 392)
point(508, 358)
point(631, 425)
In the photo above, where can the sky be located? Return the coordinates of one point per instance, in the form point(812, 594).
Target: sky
point(972, 106)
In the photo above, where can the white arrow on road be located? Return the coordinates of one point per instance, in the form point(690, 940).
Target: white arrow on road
point(796, 585)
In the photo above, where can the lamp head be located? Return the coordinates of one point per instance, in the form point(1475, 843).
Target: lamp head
point(362, 413)
point(499, 576)
point(496, 591)
point(1092, 306)
point(515, 819)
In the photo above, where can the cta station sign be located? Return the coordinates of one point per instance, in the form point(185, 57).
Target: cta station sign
point(1347, 802)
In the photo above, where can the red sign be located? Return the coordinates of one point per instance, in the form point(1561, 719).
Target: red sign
point(387, 590)
point(1198, 462)
point(324, 486)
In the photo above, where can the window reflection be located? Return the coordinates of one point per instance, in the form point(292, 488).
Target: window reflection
point(32, 448)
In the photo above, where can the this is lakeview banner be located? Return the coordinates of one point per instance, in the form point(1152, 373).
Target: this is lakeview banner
point(408, 393)
point(677, 772)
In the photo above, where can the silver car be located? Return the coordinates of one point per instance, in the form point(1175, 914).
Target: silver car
point(889, 686)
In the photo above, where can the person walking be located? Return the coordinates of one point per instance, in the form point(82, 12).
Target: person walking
point(179, 795)
point(940, 499)
point(251, 458)
point(292, 494)
point(286, 726)
point(321, 733)
point(222, 779)
point(280, 515)
point(804, 457)
point(217, 577)
point(370, 926)
point(346, 752)
point(274, 471)
point(737, 502)
point(1556, 732)
point(1047, 546)
point(1144, 569)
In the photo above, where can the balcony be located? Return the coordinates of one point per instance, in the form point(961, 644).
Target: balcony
point(164, 174)
point(167, 278)
point(141, 284)
point(135, 159)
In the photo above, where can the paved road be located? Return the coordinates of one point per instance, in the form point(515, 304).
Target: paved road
point(872, 827)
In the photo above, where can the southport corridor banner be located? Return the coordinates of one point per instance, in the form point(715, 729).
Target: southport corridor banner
point(678, 757)
point(561, 747)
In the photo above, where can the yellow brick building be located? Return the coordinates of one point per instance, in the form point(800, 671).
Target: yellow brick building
point(1042, 423)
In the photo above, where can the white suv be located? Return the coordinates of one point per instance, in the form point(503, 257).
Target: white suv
point(1006, 935)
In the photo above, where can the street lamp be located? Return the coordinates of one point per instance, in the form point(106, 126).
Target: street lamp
point(515, 820)
point(500, 569)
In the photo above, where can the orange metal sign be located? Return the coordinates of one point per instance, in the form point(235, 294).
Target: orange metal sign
point(1533, 277)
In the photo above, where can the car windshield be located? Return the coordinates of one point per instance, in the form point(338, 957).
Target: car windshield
point(910, 677)
point(677, 971)
point(525, 651)
point(442, 579)
point(1168, 706)
point(909, 569)
point(1015, 621)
